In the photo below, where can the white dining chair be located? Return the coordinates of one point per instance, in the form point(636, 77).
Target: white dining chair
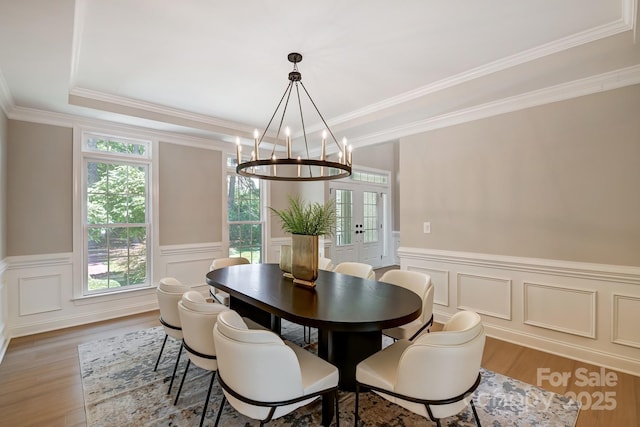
point(221, 296)
point(198, 318)
point(264, 377)
point(169, 292)
point(357, 269)
point(325, 264)
point(420, 284)
point(433, 376)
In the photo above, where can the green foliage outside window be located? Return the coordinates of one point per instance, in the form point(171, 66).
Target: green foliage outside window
point(116, 218)
point(244, 217)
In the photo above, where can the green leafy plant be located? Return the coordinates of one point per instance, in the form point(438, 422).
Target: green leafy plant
point(312, 219)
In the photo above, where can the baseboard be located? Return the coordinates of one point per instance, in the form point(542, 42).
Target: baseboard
point(83, 319)
point(5, 343)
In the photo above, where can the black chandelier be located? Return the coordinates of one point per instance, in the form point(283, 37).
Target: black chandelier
point(300, 167)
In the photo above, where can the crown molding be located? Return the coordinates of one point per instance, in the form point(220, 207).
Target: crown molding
point(586, 86)
point(6, 100)
point(625, 23)
point(70, 120)
point(159, 109)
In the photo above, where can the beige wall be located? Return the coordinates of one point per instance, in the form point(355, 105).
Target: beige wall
point(559, 181)
point(312, 192)
point(3, 185)
point(39, 189)
point(190, 195)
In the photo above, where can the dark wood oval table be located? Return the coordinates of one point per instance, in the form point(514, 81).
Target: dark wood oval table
point(349, 312)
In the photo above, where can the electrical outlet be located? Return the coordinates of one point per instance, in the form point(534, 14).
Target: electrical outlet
point(426, 228)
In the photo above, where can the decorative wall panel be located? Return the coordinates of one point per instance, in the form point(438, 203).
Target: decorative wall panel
point(485, 295)
point(625, 322)
point(546, 306)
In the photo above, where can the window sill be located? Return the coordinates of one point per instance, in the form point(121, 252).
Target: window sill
point(113, 296)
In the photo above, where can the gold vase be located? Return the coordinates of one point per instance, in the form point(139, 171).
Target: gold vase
point(285, 260)
point(304, 259)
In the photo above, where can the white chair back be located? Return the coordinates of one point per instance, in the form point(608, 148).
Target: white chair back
point(357, 269)
point(416, 282)
point(169, 292)
point(325, 264)
point(256, 364)
point(448, 361)
point(198, 318)
point(226, 262)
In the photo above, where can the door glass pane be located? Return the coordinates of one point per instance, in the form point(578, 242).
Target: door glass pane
point(344, 217)
point(370, 209)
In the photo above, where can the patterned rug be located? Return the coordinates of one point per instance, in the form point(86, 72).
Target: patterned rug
point(121, 389)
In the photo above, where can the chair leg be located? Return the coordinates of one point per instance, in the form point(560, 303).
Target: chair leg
point(175, 368)
point(337, 409)
point(356, 410)
point(206, 402)
point(224, 400)
point(307, 334)
point(475, 414)
point(161, 350)
point(186, 369)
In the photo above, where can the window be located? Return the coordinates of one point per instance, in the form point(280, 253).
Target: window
point(116, 224)
point(344, 217)
point(370, 177)
point(244, 215)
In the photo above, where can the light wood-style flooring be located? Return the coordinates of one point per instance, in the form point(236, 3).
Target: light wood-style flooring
point(40, 381)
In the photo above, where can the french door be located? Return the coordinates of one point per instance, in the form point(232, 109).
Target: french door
point(360, 234)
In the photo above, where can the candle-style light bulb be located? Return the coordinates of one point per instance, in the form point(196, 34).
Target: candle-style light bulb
point(350, 155)
point(238, 149)
point(323, 153)
point(344, 149)
point(255, 143)
point(298, 167)
point(275, 171)
point(288, 133)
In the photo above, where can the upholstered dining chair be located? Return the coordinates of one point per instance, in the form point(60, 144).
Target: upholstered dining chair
point(169, 292)
point(264, 377)
point(198, 318)
point(357, 269)
point(217, 294)
point(434, 375)
point(325, 264)
point(420, 284)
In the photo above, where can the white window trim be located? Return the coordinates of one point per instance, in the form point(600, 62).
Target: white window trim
point(79, 204)
point(264, 200)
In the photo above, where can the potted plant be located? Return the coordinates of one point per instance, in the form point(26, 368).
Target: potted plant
point(306, 222)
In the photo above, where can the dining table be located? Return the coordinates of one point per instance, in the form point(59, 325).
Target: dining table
point(349, 312)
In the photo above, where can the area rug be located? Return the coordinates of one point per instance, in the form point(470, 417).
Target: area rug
point(121, 389)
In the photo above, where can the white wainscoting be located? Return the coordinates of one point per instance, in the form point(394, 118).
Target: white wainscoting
point(588, 312)
point(4, 331)
point(38, 290)
point(189, 263)
point(440, 282)
point(484, 294)
point(625, 324)
point(546, 306)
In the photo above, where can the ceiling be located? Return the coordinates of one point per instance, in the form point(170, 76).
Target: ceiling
point(376, 69)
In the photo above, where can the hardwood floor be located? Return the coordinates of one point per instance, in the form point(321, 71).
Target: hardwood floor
point(40, 381)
